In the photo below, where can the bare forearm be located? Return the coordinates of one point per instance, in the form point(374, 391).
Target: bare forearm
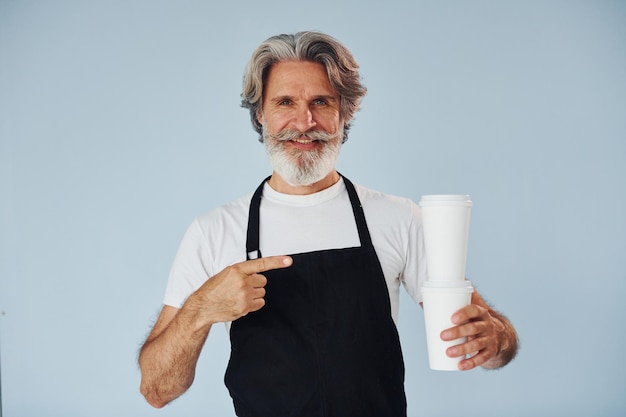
point(168, 360)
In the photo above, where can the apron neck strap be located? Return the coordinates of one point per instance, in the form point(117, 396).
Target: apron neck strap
point(359, 215)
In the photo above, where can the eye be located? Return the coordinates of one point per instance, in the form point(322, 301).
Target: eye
point(320, 102)
point(284, 102)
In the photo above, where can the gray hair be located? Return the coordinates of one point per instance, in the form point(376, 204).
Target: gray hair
point(341, 67)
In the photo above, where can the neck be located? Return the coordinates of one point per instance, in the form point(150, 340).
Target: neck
point(282, 186)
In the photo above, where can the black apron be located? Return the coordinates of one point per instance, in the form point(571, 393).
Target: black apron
point(325, 343)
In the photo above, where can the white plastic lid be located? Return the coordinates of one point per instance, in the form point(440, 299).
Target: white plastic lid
point(446, 200)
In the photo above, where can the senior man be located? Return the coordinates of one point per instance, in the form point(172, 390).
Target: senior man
point(305, 271)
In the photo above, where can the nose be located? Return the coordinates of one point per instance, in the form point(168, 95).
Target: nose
point(303, 119)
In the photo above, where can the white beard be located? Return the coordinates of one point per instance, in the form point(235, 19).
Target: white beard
point(299, 168)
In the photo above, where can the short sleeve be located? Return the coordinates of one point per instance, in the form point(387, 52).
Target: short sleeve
point(190, 267)
point(415, 269)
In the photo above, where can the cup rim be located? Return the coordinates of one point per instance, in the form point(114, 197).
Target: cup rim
point(464, 285)
point(451, 197)
point(446, 200)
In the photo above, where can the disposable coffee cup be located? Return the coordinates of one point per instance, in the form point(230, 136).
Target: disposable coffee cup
point(446, 219)
point(440, 301)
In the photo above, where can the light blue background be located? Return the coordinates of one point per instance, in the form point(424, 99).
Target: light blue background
point(120, 122)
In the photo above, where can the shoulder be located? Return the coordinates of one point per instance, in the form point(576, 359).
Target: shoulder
point(229, 216)
point(390, 217)
point(217, 237)
point(377, 202)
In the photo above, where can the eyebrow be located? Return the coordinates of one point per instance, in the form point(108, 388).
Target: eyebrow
point(326, 97)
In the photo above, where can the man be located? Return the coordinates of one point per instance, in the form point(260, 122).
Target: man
point(306, 271)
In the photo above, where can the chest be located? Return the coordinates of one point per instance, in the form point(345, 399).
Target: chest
point(289, 230)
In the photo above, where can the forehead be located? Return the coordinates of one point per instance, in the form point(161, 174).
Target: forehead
point(297, 77)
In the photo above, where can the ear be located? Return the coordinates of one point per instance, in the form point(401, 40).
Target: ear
point(259, 117)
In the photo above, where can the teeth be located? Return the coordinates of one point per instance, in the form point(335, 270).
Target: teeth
point(303, 141)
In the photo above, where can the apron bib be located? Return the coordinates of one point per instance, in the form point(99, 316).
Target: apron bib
point(325, 343)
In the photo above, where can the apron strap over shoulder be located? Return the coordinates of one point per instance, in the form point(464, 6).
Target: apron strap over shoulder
point(252, 240)
point(359, 215)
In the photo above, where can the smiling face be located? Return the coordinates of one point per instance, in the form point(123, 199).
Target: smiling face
point(302, 127)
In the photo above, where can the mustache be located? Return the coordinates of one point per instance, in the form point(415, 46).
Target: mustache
point(293, 134)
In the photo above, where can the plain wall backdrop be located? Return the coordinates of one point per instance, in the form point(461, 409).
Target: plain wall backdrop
point(120, 122)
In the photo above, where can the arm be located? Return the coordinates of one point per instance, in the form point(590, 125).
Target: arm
point(491, 338)
point(169, 355)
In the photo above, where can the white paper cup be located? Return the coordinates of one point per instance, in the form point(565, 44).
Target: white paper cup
point(446, 219)
point(441, 300)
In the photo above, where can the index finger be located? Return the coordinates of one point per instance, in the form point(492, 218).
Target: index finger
point(254, 266)
point(465, 314)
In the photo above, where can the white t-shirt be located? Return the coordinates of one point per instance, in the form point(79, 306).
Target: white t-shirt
point(291, 224)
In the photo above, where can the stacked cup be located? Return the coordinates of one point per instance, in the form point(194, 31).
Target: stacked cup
point(445, 219)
